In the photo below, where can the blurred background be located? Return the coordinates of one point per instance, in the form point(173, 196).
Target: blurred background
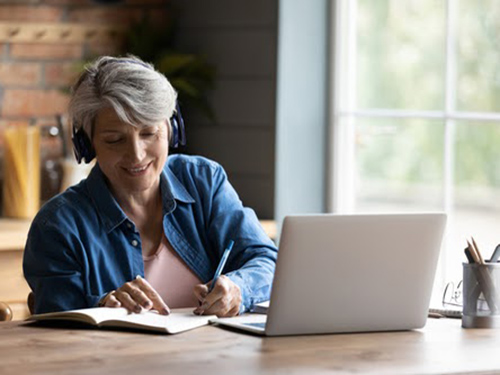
point(221, 59)
point(344, 106)
point(419, 103)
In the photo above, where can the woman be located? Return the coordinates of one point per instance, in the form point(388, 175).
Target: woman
point(143, 231)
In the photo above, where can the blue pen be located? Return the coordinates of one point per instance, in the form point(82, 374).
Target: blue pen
point(221, 265)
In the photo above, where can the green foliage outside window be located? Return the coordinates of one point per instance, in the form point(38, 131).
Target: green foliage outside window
point(401, 64)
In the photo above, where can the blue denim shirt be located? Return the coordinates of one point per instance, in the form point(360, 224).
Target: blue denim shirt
point(81, 245)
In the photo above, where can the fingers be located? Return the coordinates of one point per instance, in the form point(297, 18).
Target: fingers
point(224, 300)
point(156, 300)
point(223, 287)
point(137, 295)
point(111, 300)
point(220, 308)
point(200, 292)
point(127, 301)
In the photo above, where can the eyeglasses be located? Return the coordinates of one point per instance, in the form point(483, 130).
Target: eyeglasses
point(452, 297)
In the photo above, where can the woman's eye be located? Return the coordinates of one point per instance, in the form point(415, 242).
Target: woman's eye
point(148, 134)
point(113, 141)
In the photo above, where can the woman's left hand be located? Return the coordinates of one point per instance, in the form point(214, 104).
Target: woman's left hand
point(224, 300)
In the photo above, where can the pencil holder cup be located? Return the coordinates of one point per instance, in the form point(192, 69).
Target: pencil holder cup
point(481, 295)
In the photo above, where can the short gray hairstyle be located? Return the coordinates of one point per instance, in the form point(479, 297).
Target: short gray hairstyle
point(138, 93)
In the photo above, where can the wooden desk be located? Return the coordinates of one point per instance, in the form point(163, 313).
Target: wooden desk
point(441, 347)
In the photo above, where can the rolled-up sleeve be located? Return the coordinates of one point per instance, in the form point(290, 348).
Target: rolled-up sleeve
point(252, 261)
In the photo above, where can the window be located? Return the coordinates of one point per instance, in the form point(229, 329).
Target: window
point(416, 124)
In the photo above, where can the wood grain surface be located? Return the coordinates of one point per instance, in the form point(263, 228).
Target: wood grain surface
point(442, 347)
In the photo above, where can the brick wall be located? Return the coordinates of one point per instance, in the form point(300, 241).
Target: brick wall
point(34, 77)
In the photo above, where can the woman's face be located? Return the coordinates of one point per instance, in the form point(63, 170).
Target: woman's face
point(131, 158)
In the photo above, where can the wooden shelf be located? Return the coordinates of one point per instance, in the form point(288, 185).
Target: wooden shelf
point(61, 33)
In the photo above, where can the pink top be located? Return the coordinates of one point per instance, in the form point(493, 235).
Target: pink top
point(171, 277)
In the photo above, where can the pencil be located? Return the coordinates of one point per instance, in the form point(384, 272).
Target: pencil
point(470, 259)
point(473, 253)
point(477, 250)
point(483, 277)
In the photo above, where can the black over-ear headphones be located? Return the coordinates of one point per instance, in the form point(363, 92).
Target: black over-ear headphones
point(178, 136)
point(82, 145)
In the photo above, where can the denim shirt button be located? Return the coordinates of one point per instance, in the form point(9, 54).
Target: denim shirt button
point(129, 225)
point(134, 243)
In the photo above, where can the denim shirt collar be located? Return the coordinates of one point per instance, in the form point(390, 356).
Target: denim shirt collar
point(110, 212)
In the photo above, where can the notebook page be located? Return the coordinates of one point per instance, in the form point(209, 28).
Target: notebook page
point(93, 315)
point(179, 320)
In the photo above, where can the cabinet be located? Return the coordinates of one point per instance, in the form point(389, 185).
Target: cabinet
point(13, 288)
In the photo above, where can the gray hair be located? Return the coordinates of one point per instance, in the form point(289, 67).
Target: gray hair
point(138, 93)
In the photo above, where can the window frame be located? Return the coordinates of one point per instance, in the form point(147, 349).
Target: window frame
point(343, 113)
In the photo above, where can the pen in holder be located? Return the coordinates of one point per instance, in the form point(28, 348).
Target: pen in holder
point(481, 295)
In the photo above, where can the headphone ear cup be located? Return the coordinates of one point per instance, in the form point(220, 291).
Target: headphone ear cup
point(82, 146)
point(178, 130)
point(181, 128)
point(174, 139)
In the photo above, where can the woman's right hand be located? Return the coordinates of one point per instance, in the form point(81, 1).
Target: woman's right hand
point(135, 296)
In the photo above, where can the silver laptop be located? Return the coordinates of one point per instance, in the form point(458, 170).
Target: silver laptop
point(350, 273)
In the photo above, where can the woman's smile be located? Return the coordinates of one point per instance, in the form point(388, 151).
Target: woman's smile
point(131, 157)
point(137, 171)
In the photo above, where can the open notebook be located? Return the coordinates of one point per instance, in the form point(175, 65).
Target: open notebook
point(179, 320)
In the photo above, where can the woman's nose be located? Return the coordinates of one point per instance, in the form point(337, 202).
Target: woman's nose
point(137, 150)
